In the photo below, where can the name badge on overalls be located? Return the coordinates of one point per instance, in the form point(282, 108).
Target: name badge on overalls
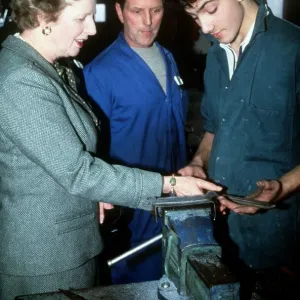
point(178, 81)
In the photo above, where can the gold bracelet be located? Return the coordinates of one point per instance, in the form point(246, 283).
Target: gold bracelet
point(173, 183)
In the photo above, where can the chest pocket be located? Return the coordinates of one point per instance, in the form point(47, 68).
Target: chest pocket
point(268, 132)
point(270, 113)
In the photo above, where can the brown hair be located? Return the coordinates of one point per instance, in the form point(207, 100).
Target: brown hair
point(25, 12)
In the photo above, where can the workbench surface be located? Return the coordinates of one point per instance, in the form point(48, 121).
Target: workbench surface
point(134, 291)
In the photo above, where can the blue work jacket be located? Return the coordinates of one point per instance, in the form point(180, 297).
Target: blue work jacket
point(146, 131)
point(255, 121)
point(146, 124)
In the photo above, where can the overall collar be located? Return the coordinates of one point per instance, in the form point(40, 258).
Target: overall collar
point(263, 20)
point(126, 48)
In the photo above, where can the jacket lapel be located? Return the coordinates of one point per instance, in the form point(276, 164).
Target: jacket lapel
point(25, 50)
point(29, 53)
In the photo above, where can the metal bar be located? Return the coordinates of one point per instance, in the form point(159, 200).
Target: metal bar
point(134, 250)
point(250, 202)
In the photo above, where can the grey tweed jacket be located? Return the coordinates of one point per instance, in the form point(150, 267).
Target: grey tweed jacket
point(50, 179)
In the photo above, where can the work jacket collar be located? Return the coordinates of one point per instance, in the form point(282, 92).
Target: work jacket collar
point(263, 19)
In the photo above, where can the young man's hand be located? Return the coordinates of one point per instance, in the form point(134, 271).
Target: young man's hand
point(193, 170)
point(268, 191)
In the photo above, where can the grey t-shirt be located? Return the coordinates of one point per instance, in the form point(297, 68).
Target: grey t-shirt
point(155, 61)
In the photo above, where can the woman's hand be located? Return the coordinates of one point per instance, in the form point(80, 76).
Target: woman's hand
point(189, 186)
point(102, 207)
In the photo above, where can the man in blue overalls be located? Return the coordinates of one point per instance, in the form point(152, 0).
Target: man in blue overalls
point(135, 82)
point(251, 111)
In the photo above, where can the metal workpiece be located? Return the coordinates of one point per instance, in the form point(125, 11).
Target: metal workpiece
point(245, 201)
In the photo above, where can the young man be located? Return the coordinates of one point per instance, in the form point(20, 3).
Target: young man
point(135, 82)
point(251, 111)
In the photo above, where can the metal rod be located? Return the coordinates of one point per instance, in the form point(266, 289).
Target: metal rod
point(134, 250)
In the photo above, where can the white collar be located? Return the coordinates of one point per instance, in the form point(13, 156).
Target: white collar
point(246, 41)
point(17, 34)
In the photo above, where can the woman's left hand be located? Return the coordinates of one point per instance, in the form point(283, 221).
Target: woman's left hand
point(102, 207)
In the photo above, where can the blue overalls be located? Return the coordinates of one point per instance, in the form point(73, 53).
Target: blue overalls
point(255, 121)
point(146, 131)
